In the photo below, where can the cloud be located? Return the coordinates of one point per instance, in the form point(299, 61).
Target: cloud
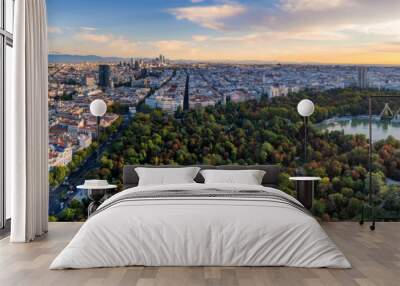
point(390, 47)
point(307, 19)
point(244, 38)
point(178, 49)
point(312, 5)
point(171, 45)
point(95, 38)
point(362, 31)
point(107, 44)
point(200, 38)
point(271, 37)
point(389, 28)
point(343, 21)
point(54, 30)
point(316, 35)
point(208, 16)
point(88, 29)
point(196, 1)
point(329, 15)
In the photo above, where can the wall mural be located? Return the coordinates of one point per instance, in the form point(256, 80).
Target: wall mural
point(218, 82)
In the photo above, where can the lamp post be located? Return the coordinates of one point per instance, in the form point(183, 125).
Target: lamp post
point(305, 108)
point(98, 108)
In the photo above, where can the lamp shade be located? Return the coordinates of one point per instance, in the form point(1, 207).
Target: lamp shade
point(305, 107)
point(98, 107)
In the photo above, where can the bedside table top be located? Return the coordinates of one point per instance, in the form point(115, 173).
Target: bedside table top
point(305, 178)
point(96, 187)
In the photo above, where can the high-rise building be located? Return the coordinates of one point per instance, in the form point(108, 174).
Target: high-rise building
point(186, 96)
point(137, 65)
point(104, 75)
point(161, 59)
point(143, 73)
point(363, 77)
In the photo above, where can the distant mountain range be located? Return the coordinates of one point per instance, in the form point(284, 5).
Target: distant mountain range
point(65, 58)
point(61, 58)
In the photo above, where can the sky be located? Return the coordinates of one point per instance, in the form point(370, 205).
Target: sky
point(301, 31)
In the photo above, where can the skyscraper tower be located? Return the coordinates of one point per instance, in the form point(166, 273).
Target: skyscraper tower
point(137, 65)
point(161, 59)
point(363, 77)
point(186, 95)
point(104, 76)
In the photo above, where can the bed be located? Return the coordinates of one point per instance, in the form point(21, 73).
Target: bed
point(197, 224)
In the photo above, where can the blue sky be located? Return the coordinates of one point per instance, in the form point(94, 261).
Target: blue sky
point(334, 31)
point(139, 19)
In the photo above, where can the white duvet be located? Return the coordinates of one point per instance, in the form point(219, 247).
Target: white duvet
point(202, 232)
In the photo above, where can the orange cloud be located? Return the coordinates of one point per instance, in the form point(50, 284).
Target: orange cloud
point(95, 37)
point(106, 44)
point(208, 16)
point(200, 38)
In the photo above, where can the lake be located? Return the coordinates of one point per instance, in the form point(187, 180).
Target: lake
point(359, 125)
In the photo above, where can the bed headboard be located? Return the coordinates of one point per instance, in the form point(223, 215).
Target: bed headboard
point(271, 178)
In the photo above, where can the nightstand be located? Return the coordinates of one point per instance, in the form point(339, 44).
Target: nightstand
point(97, 194)
point(305, 187)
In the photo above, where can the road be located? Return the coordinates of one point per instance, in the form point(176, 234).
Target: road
point(77, 177)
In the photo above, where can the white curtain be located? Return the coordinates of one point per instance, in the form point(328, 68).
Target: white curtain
point(27, 124)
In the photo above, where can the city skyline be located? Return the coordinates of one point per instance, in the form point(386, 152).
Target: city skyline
point(303, 31)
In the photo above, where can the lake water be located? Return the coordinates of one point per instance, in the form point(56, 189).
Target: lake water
point(359, 125)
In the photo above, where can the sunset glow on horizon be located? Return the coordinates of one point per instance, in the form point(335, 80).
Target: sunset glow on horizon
point(296, 31)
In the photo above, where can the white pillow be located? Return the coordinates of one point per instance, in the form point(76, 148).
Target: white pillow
point(166, 176)
point(248, 177)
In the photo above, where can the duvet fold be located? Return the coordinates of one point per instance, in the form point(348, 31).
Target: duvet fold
point(201, 225)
